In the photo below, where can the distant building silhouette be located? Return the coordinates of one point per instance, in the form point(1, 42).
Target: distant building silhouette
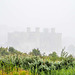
point(26, 41)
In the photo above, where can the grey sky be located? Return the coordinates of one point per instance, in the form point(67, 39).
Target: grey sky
point(20, 14)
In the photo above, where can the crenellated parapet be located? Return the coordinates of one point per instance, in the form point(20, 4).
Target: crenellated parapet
point(37, 29)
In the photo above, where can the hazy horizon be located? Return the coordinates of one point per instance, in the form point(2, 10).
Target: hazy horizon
point(19, 14)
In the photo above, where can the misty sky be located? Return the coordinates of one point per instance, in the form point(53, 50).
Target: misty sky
point(19, 14)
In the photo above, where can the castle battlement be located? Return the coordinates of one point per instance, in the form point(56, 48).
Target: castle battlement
point(37, 29)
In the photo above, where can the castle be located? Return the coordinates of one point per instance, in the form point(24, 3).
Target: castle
point(26, 41)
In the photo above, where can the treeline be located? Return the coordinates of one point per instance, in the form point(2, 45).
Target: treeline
point(8, 51)
point(35, 52)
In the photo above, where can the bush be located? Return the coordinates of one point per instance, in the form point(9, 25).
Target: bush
point(15, 73)
point(23, 73)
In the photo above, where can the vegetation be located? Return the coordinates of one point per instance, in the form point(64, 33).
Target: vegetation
point(13, 62)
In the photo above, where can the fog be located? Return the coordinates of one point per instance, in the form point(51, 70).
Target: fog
point(16, 15)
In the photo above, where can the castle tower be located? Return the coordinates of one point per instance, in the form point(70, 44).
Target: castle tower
point(52, 30)
point(28, 29)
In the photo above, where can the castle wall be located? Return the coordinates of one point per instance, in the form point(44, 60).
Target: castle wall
point(26, 41)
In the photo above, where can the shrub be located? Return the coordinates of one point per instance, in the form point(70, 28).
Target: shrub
point(15, 73)
point(23, 73)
